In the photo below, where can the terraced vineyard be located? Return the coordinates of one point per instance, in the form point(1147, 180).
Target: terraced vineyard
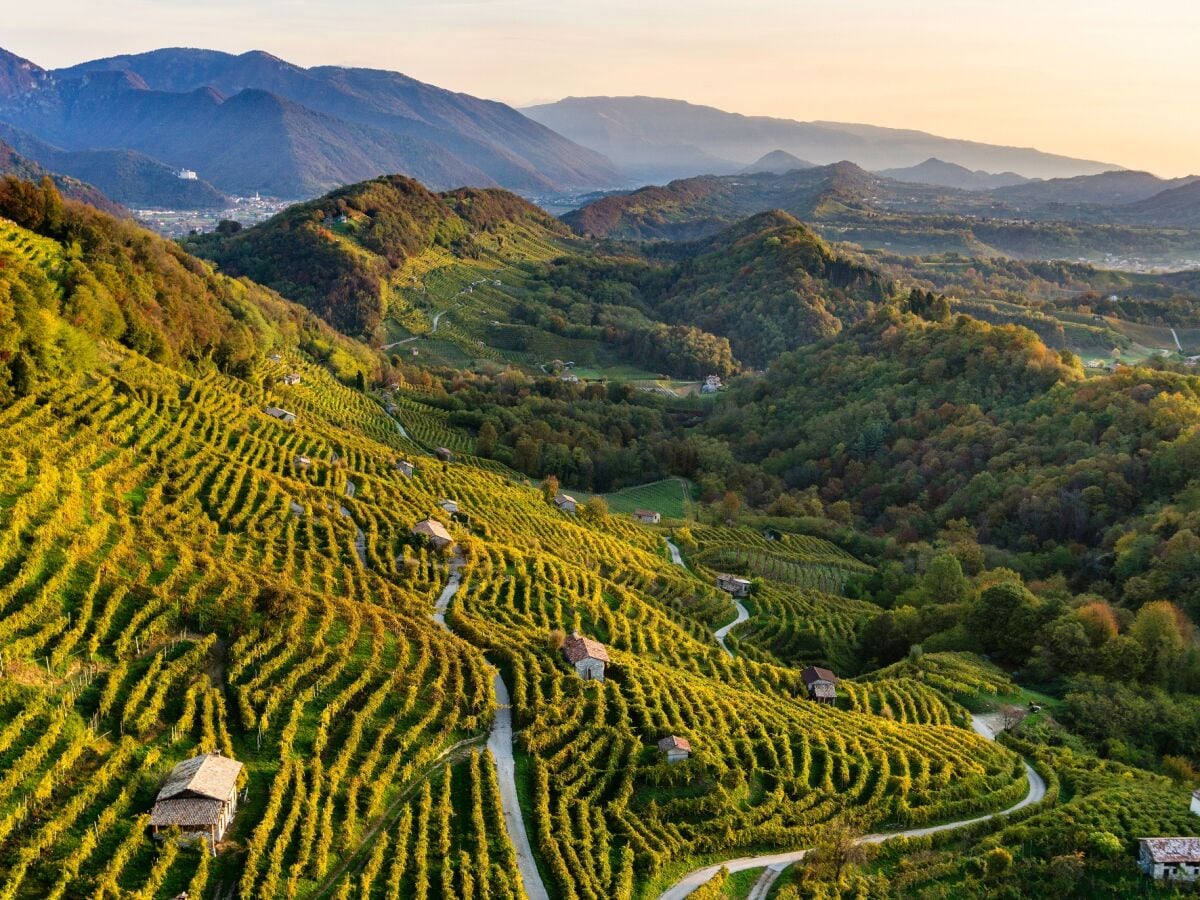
point(181, 572)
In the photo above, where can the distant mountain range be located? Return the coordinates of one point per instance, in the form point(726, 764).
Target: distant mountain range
point(655, 140)
point(847, 203)
point(258, 123)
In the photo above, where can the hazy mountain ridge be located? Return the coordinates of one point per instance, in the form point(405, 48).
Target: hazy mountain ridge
point(255, 122)
point(655, 137)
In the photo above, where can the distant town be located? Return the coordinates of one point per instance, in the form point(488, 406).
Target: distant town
point(176, 223)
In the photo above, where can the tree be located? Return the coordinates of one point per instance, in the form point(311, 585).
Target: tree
point(485, 443)
point(1011, 716)
point(944, 581)
point(1159, 628)
point(549, 488)
point(594, 510)
point(360, 381)
point(729, 507)
point(838, 847)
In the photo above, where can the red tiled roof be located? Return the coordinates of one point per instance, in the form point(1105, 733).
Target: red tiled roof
point(432, 528)
point(577, 647)
point(674, 743)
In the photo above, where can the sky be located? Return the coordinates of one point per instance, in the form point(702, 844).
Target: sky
point(1112, 81)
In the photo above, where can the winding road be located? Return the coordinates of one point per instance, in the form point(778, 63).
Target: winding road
point(742, 613)
point(780, 861)
point(774, 864)
point(500, 745)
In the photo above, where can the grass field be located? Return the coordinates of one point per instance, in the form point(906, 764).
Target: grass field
point(672, 497)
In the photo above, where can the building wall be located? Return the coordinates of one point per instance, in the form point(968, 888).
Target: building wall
point(674, 756)
point(1196, 805)
point(590, 669)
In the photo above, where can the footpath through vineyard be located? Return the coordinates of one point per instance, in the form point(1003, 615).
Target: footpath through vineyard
point(500, 744)
point(777, 862)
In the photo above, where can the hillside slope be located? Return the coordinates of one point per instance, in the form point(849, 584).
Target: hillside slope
point(19, 166)
point(187, 573)
point(339, 255)
point(129, 177)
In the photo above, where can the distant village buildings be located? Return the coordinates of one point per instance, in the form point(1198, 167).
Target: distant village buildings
point(821, 684)
point(711, 385)
point(676, 749)
point(734, 584)
point(199, 798)
point(589, 657)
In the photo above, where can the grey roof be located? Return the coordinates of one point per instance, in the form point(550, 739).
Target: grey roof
point(210, 776)
point(1173, 849)
point(824, 691)
point(814, 674)
point(189, 813)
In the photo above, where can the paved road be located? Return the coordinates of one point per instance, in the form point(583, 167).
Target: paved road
point(742, 616)
point(500, 746)
point(765, 882)
point(407, 340)
point(437, 318)
point(698, 877)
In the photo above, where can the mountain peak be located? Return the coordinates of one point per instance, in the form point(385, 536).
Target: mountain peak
point(777, 162)
point(20, 76)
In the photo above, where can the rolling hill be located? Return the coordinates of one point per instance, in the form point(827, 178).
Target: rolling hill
point(1105, 189)
point(659, 139)
point(256, 123)
point(939, 172)
point(341, 255)
point(777, 162)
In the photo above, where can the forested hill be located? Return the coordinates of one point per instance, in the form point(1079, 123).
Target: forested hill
point(698, 207)
point(76, 278)
point(22, 167)
point(338, 255)
point(919, 425)
point(768, 284)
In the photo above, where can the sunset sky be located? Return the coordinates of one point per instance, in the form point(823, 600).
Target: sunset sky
point(1114, 81)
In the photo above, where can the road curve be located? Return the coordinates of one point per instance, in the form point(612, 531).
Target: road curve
point(500, 745)
point(698, 877)
point(742, 614)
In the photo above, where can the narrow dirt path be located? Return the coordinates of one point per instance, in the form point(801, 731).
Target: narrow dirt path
point(698, 877)
point(720, 633)
point(500, 745)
